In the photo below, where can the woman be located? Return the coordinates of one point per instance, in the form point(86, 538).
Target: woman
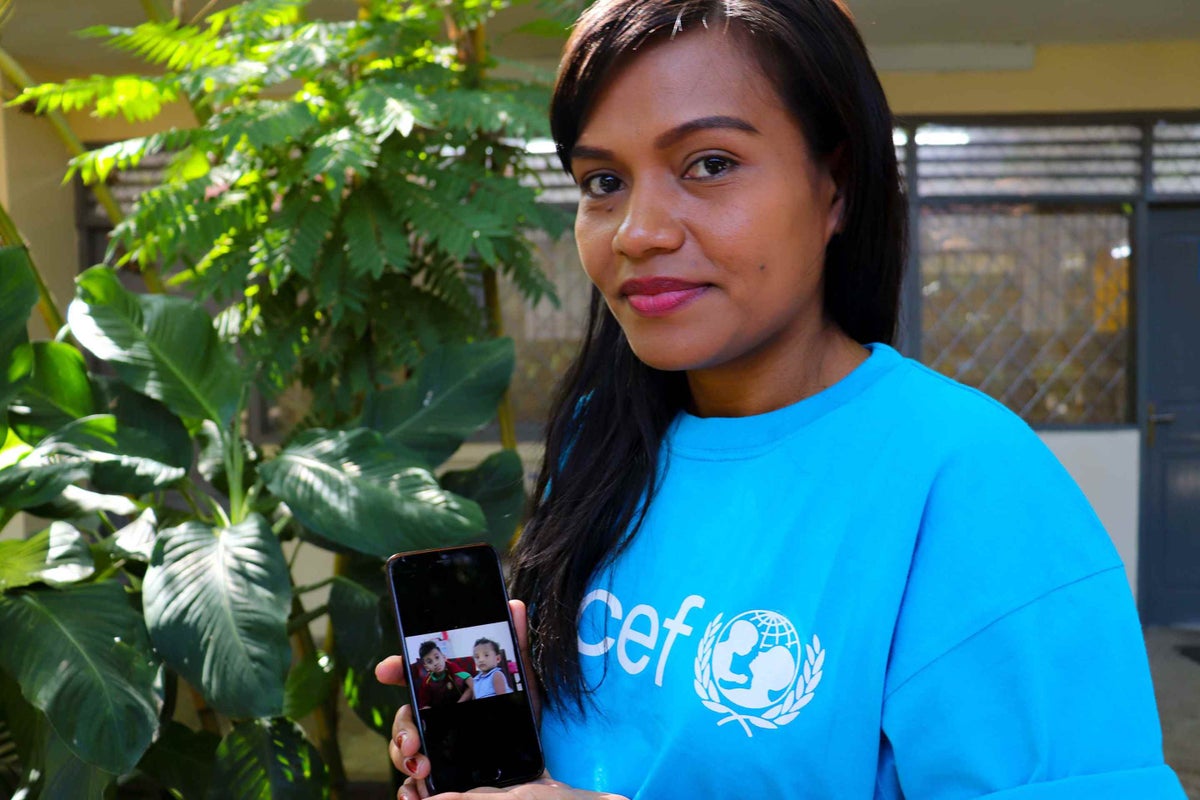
point(771, 557)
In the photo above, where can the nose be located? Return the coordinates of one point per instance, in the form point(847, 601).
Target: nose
point(650, 223)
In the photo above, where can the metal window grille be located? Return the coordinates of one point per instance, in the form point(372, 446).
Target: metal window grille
point(1028, 160)
point(1176, 159)
point(1030, 304)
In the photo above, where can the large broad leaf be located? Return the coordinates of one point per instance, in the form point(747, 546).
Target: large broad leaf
point(125, 458)
point(181, 761)
point(216, 603)
point(18, 732)
point(57, 555)
point(357, 490)
point(453, 392)
point(18, 296)
point(75, 503)
point(81, 656)
point(164, 347)
point(365, 634)
point(498, 485)
point(308, 685)
point(65, 776)
point(34, 481)
point(267, 759)
point(53, 389)
point(135, 542)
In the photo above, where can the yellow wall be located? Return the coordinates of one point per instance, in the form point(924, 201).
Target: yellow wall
point(1133, 76)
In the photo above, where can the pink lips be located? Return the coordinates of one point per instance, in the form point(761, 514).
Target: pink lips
point(653, 297)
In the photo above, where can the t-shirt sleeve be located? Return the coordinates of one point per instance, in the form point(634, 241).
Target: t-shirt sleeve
point(1018, 669)
point(1051, 702)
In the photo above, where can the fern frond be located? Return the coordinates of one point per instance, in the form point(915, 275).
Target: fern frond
point(445, 279)
point(381, 109)
point(178, 47)
point(264, 124)
point(340, 155)
point(133, 96)
point(374, 241)
point(307, 217)
point(95, 166)
point(260, 15)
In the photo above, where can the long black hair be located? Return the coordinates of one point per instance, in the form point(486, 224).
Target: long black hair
point(611, 411)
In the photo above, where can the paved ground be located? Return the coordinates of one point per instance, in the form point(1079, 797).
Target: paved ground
point(1176, 683)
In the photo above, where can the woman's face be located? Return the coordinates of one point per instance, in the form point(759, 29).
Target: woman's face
point(703, 218)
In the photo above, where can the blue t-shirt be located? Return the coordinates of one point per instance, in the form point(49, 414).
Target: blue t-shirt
point(889, 589)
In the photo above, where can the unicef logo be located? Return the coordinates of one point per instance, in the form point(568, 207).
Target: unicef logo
point(756, 671)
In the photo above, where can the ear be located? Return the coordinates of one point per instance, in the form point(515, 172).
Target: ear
point(835, 165)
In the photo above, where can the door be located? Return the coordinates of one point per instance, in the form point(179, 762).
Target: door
point(1170, 537)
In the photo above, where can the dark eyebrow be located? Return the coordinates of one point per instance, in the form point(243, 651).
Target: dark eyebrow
point(665, 140)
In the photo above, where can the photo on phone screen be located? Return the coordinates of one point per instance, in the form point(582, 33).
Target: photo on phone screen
point(470, 696)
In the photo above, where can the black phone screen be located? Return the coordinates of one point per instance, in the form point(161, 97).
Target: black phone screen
point(470, 693)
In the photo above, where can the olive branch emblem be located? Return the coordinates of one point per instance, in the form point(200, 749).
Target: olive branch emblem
point(783, 712)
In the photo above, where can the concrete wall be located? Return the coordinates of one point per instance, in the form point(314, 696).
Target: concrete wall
point(1064, 78)
point(1106, 465)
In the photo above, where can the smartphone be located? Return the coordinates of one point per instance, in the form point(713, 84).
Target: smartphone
point(469, 686)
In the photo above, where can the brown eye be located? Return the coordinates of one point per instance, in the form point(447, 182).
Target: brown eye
point(600, 185)
point(709, 167)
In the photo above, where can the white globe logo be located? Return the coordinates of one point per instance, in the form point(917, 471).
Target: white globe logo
point(757, 663)
point(756, 659)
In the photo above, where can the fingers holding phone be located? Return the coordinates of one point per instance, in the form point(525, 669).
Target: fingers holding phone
point(464, 653)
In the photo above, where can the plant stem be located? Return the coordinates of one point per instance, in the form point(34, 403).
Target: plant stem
point(186, 493)
point(327, 741)
point(234, 458)
point(21, 81)
point(504, 411)
point(46, 307)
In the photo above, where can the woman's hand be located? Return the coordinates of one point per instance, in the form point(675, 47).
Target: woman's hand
point(545, 788)
point(404, 748)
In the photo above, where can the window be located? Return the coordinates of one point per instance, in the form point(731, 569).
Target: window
point(1028, 303)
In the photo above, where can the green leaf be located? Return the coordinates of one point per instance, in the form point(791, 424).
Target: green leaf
point(126, 460)
point(366, 634)
point(33, 481)
point(357, 490)
point(265, 123)
point(216, 603)
point(135, 541)
point(498, 485)
point(341, 155)
point(104, 705)
point(20, 725)
point(54, 388)
point(267, 759)
point(373, 240)
point(308, 685)
point(67, 776)
point(382, 110)
point(18, 296)
point(58, 555)
point(74, 502)
point(164, 347)
point(181, 761)
point(453, 392)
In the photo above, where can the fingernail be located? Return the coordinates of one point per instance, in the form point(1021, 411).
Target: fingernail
point(400, 738)
point(410, 764)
